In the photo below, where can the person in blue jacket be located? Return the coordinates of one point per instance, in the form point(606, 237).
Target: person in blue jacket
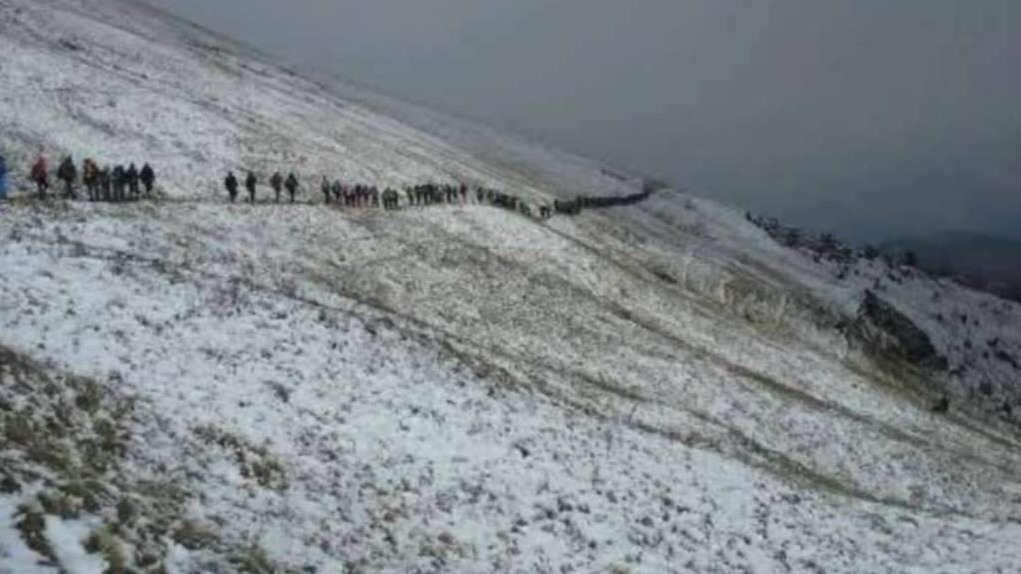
point(3, 178)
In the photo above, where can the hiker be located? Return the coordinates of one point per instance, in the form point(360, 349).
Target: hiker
point(105, 184)
point(338, 192)
point(942, 406)
point(390, 199)
point(67, 173)
point(250, 182)
point(277, 183)
point(90, 178)
point(40, 175)
point(231, 183)
point(3, 178)
point(292, 185)
point(132, 180)
point(325, 187)
point(119, 181)
point(148, 177)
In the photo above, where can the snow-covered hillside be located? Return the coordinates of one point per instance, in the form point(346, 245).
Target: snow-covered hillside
point(192, 386)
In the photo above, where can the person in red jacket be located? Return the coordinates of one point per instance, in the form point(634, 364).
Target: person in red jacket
point(41, 176)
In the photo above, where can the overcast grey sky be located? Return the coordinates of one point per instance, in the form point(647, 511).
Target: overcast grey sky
point(867, 117)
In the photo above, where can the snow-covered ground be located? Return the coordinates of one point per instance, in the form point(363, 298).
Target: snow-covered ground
point(658, 388)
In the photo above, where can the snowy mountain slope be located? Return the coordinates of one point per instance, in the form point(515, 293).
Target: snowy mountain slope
point(137, 84)
point(459, 388)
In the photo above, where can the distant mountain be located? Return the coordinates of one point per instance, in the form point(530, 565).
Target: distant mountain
point(988, 262)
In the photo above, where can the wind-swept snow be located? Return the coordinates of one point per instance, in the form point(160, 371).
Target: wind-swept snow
point(458, 388)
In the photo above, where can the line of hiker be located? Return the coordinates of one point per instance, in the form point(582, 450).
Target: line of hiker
point(120, 184)
point(359, 195)
point(101, 184)
point(370, 196)
point(277, 182)
point(575, 206)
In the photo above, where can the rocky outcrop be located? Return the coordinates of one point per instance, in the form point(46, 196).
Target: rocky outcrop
point(885, 330)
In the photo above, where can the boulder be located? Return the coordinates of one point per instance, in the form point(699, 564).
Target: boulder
point(885, 330)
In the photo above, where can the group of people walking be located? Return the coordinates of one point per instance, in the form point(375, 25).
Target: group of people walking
point(360, 195)
point(370, 196)
point(121, 183)
point(100, 183)
point(576, 205)
point(277, 182)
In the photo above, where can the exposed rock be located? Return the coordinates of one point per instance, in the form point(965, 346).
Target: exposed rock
point(885, 330)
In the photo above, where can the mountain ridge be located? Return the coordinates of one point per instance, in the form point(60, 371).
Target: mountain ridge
point(655, 387)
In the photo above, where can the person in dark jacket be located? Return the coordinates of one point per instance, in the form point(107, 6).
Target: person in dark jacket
point(132, 179)
point(148, 177)
point(231, 183)
point(250, 183)
point(68, 173)
point(105, 184)
point(292, 185)
point(119, 180)
point(338, 192)
point(277, 183)
point(41, 176)
point(3, 178)
point(325, 188)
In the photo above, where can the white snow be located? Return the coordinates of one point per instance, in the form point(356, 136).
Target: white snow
point(460, 388)
point(66, 537)
point(15, 556)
